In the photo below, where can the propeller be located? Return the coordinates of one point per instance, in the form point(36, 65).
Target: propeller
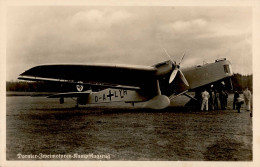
point(176, 70)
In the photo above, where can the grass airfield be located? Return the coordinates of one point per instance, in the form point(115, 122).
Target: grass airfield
point(39, 125)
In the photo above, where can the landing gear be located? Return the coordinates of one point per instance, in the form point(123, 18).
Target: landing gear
point(61, 100)
point(77, 103)
point(77, 106)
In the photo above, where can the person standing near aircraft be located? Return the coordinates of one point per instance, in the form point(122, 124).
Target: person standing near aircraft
point(205, 97)
point(247, 97)
point(216, 99)
point(223, 99)
point(211, 99)
point(236, 95)
point(239, 102)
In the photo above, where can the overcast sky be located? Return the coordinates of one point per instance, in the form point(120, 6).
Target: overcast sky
point(127, 35)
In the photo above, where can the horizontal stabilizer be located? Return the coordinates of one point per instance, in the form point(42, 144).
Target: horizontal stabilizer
point(71, 94)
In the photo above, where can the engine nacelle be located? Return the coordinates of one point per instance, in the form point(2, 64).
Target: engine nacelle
point(158, 102)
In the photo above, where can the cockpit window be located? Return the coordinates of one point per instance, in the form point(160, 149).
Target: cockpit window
point(227, 69)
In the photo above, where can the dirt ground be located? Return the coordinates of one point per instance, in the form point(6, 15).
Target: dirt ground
point(41, 126)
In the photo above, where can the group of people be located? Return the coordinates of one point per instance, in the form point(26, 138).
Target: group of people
point(210, 100)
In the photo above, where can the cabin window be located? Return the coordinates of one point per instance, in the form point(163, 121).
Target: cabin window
point(227, 69)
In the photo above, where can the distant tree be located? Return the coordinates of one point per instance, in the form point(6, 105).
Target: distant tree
point(240, 82)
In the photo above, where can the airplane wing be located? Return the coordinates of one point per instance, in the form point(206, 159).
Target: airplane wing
point(114, 76)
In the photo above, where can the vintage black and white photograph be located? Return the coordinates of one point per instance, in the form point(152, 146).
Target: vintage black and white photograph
point(129, 83)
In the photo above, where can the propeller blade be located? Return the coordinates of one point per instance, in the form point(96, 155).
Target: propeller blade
point(173, 62)
point(173, 75)
point(184, 79)
point(182, 58)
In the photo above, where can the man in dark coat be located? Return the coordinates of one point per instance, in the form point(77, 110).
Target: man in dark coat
point(223, 99)
point(236, 95)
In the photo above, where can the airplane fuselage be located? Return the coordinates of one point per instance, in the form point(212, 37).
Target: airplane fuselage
point(208, 73)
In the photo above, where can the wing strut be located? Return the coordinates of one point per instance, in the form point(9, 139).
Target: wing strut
point(174, 96)
point(189, 96)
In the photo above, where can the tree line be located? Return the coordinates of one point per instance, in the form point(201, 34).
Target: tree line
point(239, 82)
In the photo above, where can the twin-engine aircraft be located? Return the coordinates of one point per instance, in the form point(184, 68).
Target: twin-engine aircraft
point(155, 86)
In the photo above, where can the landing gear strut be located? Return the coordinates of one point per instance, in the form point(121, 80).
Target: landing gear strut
point(77, 104)
point(61, 100)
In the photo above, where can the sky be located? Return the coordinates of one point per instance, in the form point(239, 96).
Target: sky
point(127, 35)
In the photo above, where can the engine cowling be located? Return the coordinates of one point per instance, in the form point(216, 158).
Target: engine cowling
point(157, 102)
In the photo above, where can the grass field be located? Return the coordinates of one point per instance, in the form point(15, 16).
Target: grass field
point(38, 125)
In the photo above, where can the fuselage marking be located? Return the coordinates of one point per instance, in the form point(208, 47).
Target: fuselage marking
point(112, 94)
